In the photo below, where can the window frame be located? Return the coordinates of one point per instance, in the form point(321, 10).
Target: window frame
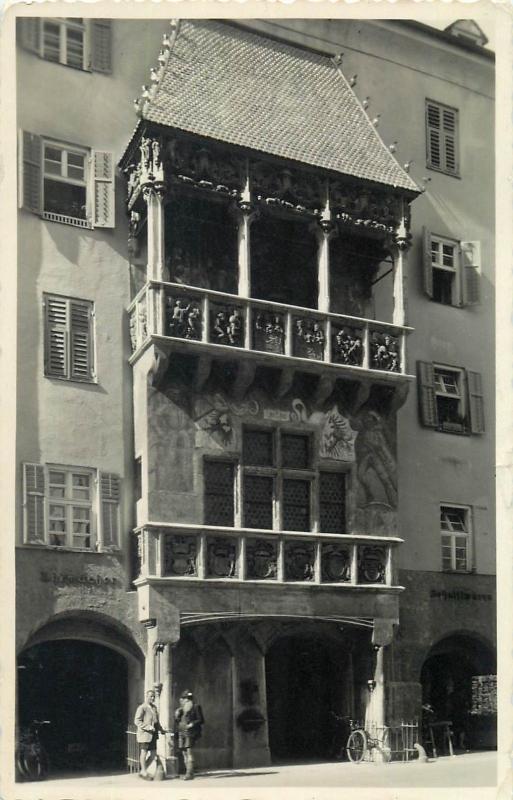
point(70, 504)
point(444, 136)
point(460, 396)
point(453, 536)
point(66, 24)
point(455, 270)
point(279, 474)
point(71, 375)
point(67, 149)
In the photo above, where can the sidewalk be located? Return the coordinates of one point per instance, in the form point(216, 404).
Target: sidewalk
point(468, 770)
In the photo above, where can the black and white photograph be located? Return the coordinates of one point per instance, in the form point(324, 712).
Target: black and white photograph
point(252, 461)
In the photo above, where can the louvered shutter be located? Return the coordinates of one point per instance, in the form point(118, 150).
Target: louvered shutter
point(449, 133)
point(101, 45)
point(103, 189)
point(31, 195)
point(433, 135)
point(57, 336)
point(426, 392)
point(81, 346)
point(109, 509)
point(427, 262)
point(475, 393)
point(34, 503)
point(471, 266)
point(29, 33)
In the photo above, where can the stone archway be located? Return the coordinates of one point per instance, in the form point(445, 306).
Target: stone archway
point(84, 675)
point(448, 673)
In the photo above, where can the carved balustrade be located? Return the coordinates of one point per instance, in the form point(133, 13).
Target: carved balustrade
point(208, 317)
point(233, 554)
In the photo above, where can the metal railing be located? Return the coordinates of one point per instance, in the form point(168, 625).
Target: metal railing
point(210, 553)
point(132, 750)
point(206, 317)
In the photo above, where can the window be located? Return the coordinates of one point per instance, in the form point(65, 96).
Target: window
point(66, 183)
point(276, 487)
point(73, 41)
point(442, 137)
point(456, 538)
point(71, 507)
point(450, 398)
point(452, 270)
point(69, 352)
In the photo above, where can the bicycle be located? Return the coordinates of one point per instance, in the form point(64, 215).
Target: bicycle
point(360, 742)
point(31, 756)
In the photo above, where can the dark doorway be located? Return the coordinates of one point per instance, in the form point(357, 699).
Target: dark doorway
point(82, 688)
point(303, 686)
point(457, 682)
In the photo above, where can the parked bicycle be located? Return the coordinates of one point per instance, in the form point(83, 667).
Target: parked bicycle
point(31, 756)
point(340, 725)
point(360, 742)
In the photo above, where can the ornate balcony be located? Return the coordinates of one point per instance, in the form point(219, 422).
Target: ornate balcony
point(192, 319)
point(214, 554)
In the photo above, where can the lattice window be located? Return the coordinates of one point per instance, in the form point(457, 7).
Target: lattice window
point(219, 493)
point(296, 505)
point(332, 502)
point(295, 451)
point(258, 448)
point(258, 501)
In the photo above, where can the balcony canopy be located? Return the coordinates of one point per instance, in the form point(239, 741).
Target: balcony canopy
point(226, 83)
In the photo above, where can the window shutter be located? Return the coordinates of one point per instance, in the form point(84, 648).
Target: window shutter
point(426, 392)
point(34, 503)
point(56, 322)
point(449, 124)
point(30, 169)
point(471, 266)
point(29, 33)
point(427, 262)
point(433, 135)
point(109, 509)
point(475, 393)
point(81, 340)
point(101, 46)
point(103, 190)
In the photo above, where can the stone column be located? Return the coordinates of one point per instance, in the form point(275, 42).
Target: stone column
point(324, 236)
point(246, 216)
point(402, 243)
point(154, 196)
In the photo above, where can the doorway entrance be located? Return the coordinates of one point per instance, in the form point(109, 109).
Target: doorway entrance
point(82, 689)
point(304, 685)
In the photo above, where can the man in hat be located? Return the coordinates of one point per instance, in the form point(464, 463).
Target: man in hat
point(189, 719)
point(148, 728)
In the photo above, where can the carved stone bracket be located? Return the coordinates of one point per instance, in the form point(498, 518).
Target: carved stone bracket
point(324, 388)
point(399, 397)
point(244, 379)
point(362, 395)
point(285, 382)
point(159, 366)
point(203, 368)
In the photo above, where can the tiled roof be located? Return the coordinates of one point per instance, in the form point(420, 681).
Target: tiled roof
point(239, 87)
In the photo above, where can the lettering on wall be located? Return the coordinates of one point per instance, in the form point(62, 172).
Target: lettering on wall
point(458, 594)
point(60, 579)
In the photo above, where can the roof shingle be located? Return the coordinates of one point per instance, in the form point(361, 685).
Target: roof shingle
point(242, 88)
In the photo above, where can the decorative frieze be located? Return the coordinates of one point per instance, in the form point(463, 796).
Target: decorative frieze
point(183, 318)
point(384, 352)
point(347, 346)
point(226, 325)
point(361, 207)
point(261, 559)
point(180, 556)
point(371, 564)
point(336, 563)
point(193, 164)
point(287, 188)
point(299, 561)
point(221, 557)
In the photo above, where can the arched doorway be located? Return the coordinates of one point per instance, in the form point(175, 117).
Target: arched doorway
point(82, 688)
point(454, 677)
point(304, 684)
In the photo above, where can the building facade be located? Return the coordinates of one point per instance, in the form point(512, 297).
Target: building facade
point(255, 457)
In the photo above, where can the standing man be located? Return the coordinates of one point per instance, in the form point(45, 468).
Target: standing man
point(189, 718)
point(148, 728)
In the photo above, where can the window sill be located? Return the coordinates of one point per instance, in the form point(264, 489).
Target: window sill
point(49, 216)
point(58, 549)
point(88, 381)
point(455, 431)
point(444, 171)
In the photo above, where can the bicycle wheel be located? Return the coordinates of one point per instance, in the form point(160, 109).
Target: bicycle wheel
point(34, 765)
point(356, 746)
point(20, 766)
